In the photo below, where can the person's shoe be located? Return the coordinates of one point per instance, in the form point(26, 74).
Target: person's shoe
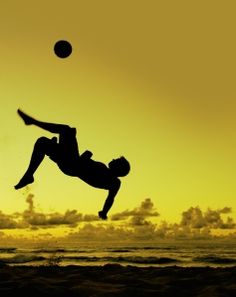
point(26, 180)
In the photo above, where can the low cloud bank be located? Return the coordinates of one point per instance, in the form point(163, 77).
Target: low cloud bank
point(134, 224)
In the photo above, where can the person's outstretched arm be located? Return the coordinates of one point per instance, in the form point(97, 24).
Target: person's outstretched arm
point(109, 200)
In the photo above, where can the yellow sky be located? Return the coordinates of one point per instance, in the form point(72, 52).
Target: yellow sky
point(151, 80)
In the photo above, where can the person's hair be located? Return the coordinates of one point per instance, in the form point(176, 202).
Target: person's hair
point(120, 167)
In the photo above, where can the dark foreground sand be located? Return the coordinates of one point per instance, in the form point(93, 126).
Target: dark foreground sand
point(116, 280)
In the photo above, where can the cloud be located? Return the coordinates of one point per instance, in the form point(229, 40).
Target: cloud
point(7, 221)
point(138, 221)
point(33, 218)
point(196, 224)
point(90, 218)
point(71, 217)
point(111, 233)
point(136, 224)
point(30, 218)
point(146, 209)
point(195, 218)
point(29, 200)
point(176, 231)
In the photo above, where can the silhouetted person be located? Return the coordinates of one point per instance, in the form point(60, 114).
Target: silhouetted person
point(65, 153)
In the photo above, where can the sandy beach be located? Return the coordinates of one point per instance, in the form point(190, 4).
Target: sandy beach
point(116, 280)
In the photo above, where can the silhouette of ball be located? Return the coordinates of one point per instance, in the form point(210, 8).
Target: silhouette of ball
point(62, 49)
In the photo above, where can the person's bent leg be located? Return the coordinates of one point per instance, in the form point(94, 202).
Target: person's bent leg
point(42, 147)
point(51, 127)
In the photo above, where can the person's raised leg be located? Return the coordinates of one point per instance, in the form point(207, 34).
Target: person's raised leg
point(51, 127)
point(42, 147)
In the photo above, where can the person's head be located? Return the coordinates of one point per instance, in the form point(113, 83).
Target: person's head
point(119, 167)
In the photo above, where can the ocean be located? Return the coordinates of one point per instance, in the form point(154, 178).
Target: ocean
point(160, 254)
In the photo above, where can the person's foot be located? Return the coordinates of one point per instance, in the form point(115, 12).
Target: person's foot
point(26, 180)
point(102, 215)
point(27, 119)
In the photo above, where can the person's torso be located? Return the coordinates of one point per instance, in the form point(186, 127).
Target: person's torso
point(95, 174)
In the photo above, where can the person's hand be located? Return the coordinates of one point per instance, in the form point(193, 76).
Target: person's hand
point(102, 215)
